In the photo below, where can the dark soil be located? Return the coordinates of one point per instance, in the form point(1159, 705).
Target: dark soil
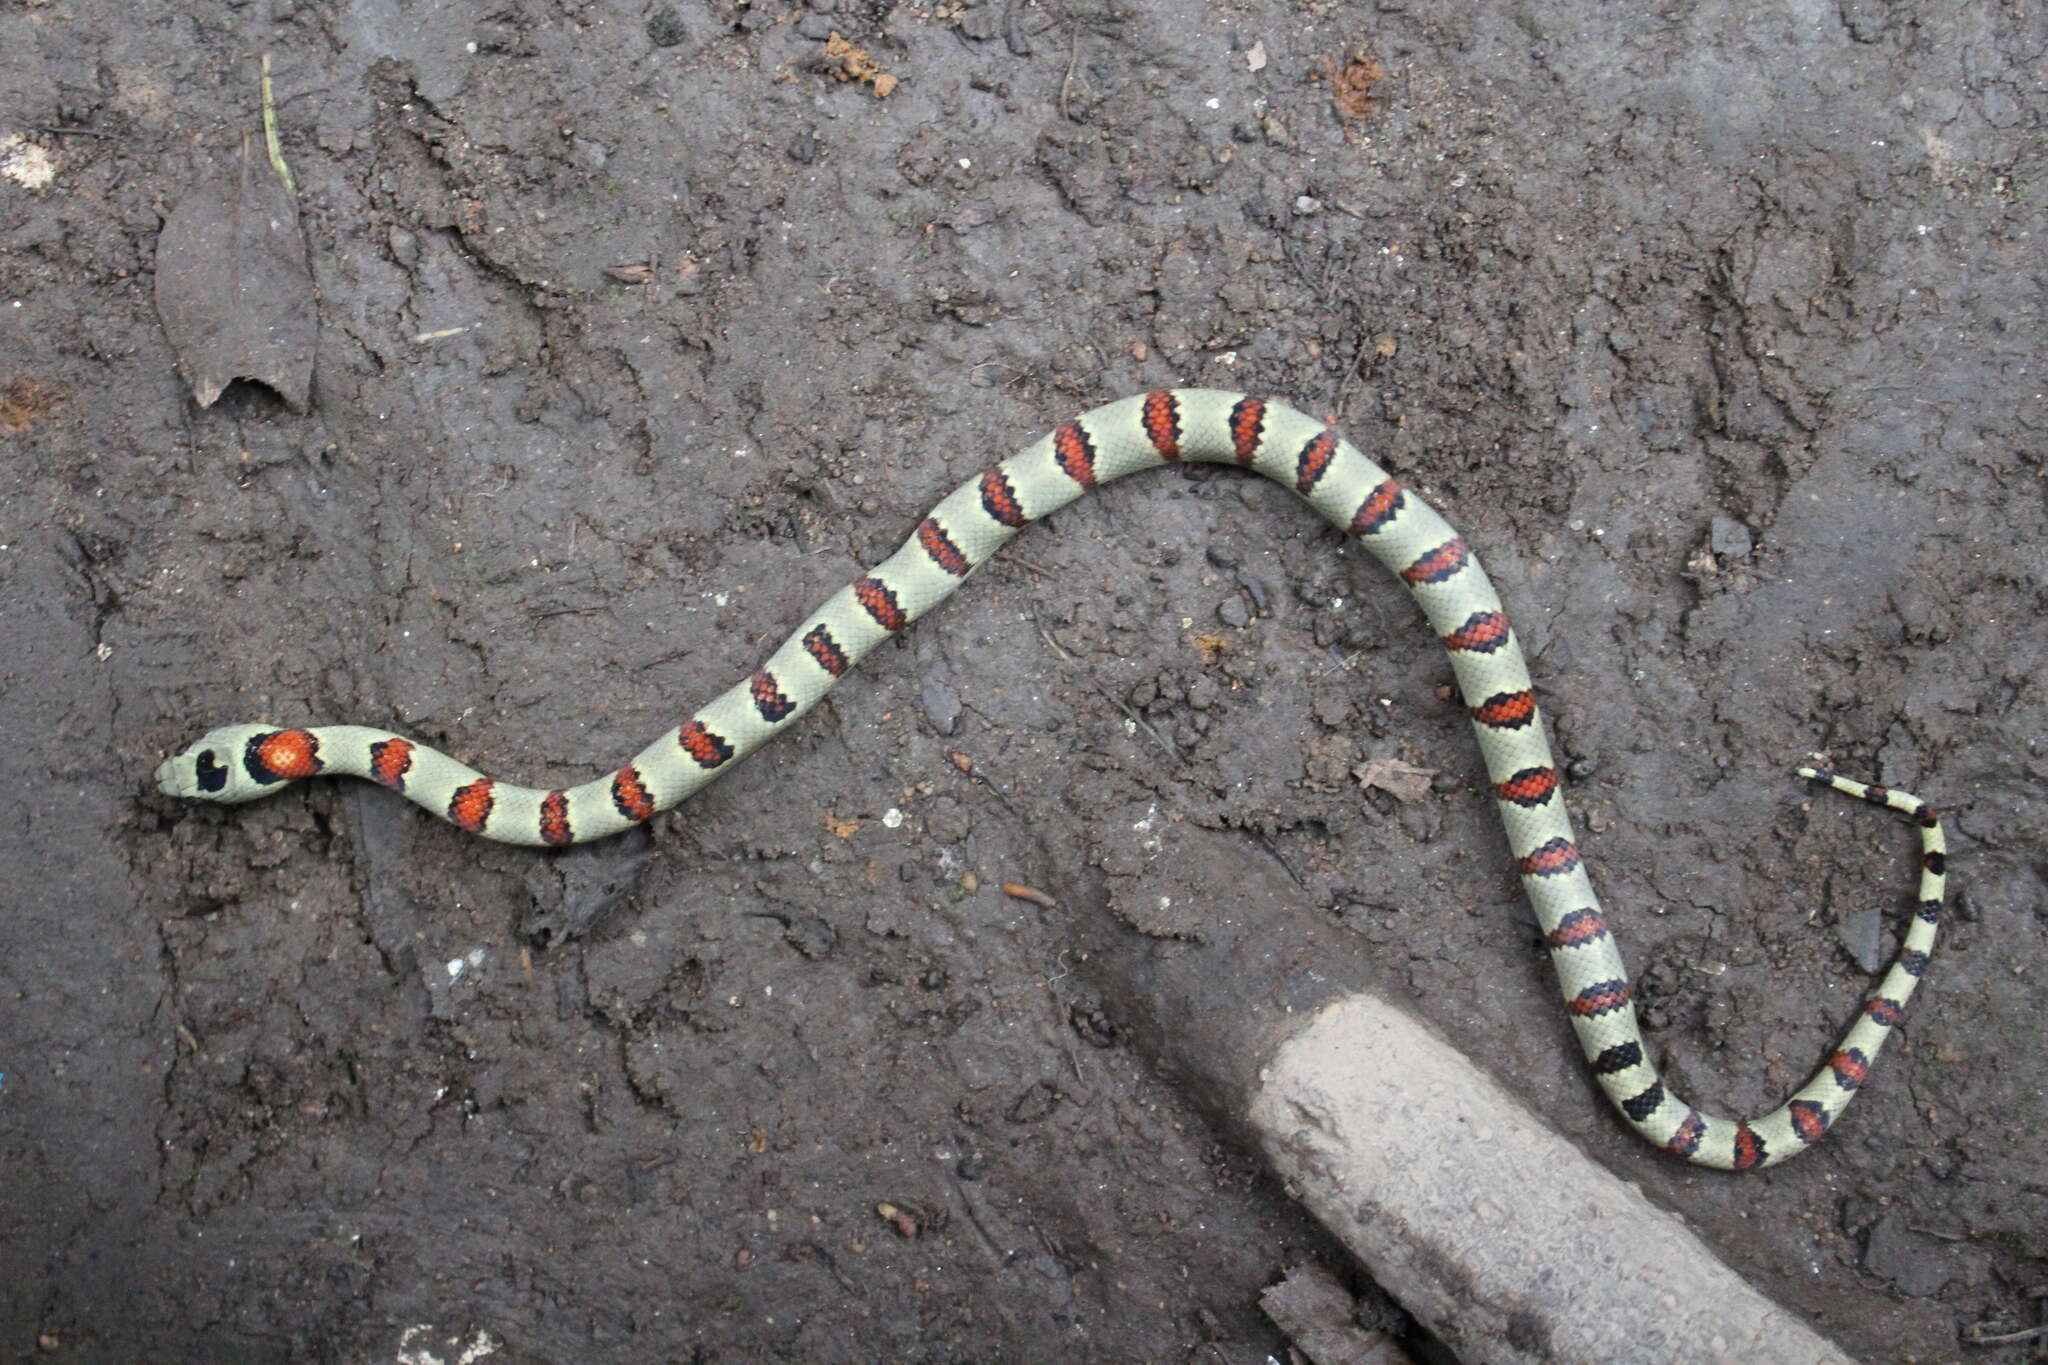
point(1717, 329)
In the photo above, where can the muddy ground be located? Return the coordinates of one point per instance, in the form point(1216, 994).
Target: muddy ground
point(1716, 331)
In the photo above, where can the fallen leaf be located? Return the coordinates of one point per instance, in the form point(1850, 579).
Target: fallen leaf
point(1402, 781)
point(233, 289)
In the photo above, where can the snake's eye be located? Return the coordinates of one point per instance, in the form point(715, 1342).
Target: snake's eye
point(212, 776)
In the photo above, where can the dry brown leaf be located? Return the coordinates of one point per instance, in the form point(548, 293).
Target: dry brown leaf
point(1402, 781)
point(233, 288)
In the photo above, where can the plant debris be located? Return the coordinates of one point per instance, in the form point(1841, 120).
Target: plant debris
point(1351, 85)
point(233, 289)
point(850, 63)
point(25, 402)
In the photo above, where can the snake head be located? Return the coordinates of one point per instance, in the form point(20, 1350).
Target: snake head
point(224, 765)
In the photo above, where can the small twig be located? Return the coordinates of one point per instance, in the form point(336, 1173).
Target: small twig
point(1131, 714)
point(1274, 853)
point(1029, 567)
point(1022, 892)
point(75, 132)
point(271, 142)
point(1073, 60)
point(1971, 1337)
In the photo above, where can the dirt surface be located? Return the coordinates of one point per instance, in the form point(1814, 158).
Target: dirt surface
point(1717, 332)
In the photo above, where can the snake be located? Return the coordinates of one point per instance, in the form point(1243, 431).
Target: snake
point(1168, 426)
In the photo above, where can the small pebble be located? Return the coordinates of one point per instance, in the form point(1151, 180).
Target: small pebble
point(812, 937)
point(983, 22)
point(665, 28)
point(1727, 536)
point(1863, 935)
point(941, 706)
point(1915, 1263)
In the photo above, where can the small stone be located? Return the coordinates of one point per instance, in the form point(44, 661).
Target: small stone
point(1915, 1263)
point(812, 937)
point(983, 23)
point(665, 28)
point(941, 706)
point(1863, 935)
point(1307, 206)
point(804, 150)
point(1728, 536)
point(1036, 1103)
point(1234, 612)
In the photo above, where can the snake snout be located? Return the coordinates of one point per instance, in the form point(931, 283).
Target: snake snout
point(170, 777)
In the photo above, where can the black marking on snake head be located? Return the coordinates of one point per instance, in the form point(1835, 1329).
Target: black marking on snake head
point(212, 776)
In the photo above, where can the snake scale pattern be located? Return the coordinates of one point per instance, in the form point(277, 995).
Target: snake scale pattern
point(240, 762)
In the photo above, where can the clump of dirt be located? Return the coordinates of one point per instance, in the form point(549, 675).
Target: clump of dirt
point(25, 402)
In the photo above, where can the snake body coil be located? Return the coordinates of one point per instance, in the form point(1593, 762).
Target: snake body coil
point(241, 762)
